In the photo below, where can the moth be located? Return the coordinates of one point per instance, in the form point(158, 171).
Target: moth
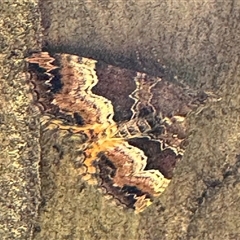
point(134, 124)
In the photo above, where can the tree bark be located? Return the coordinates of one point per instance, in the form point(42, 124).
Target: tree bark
point(20, 149)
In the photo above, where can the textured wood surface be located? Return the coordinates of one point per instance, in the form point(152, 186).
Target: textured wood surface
point(19, 125)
